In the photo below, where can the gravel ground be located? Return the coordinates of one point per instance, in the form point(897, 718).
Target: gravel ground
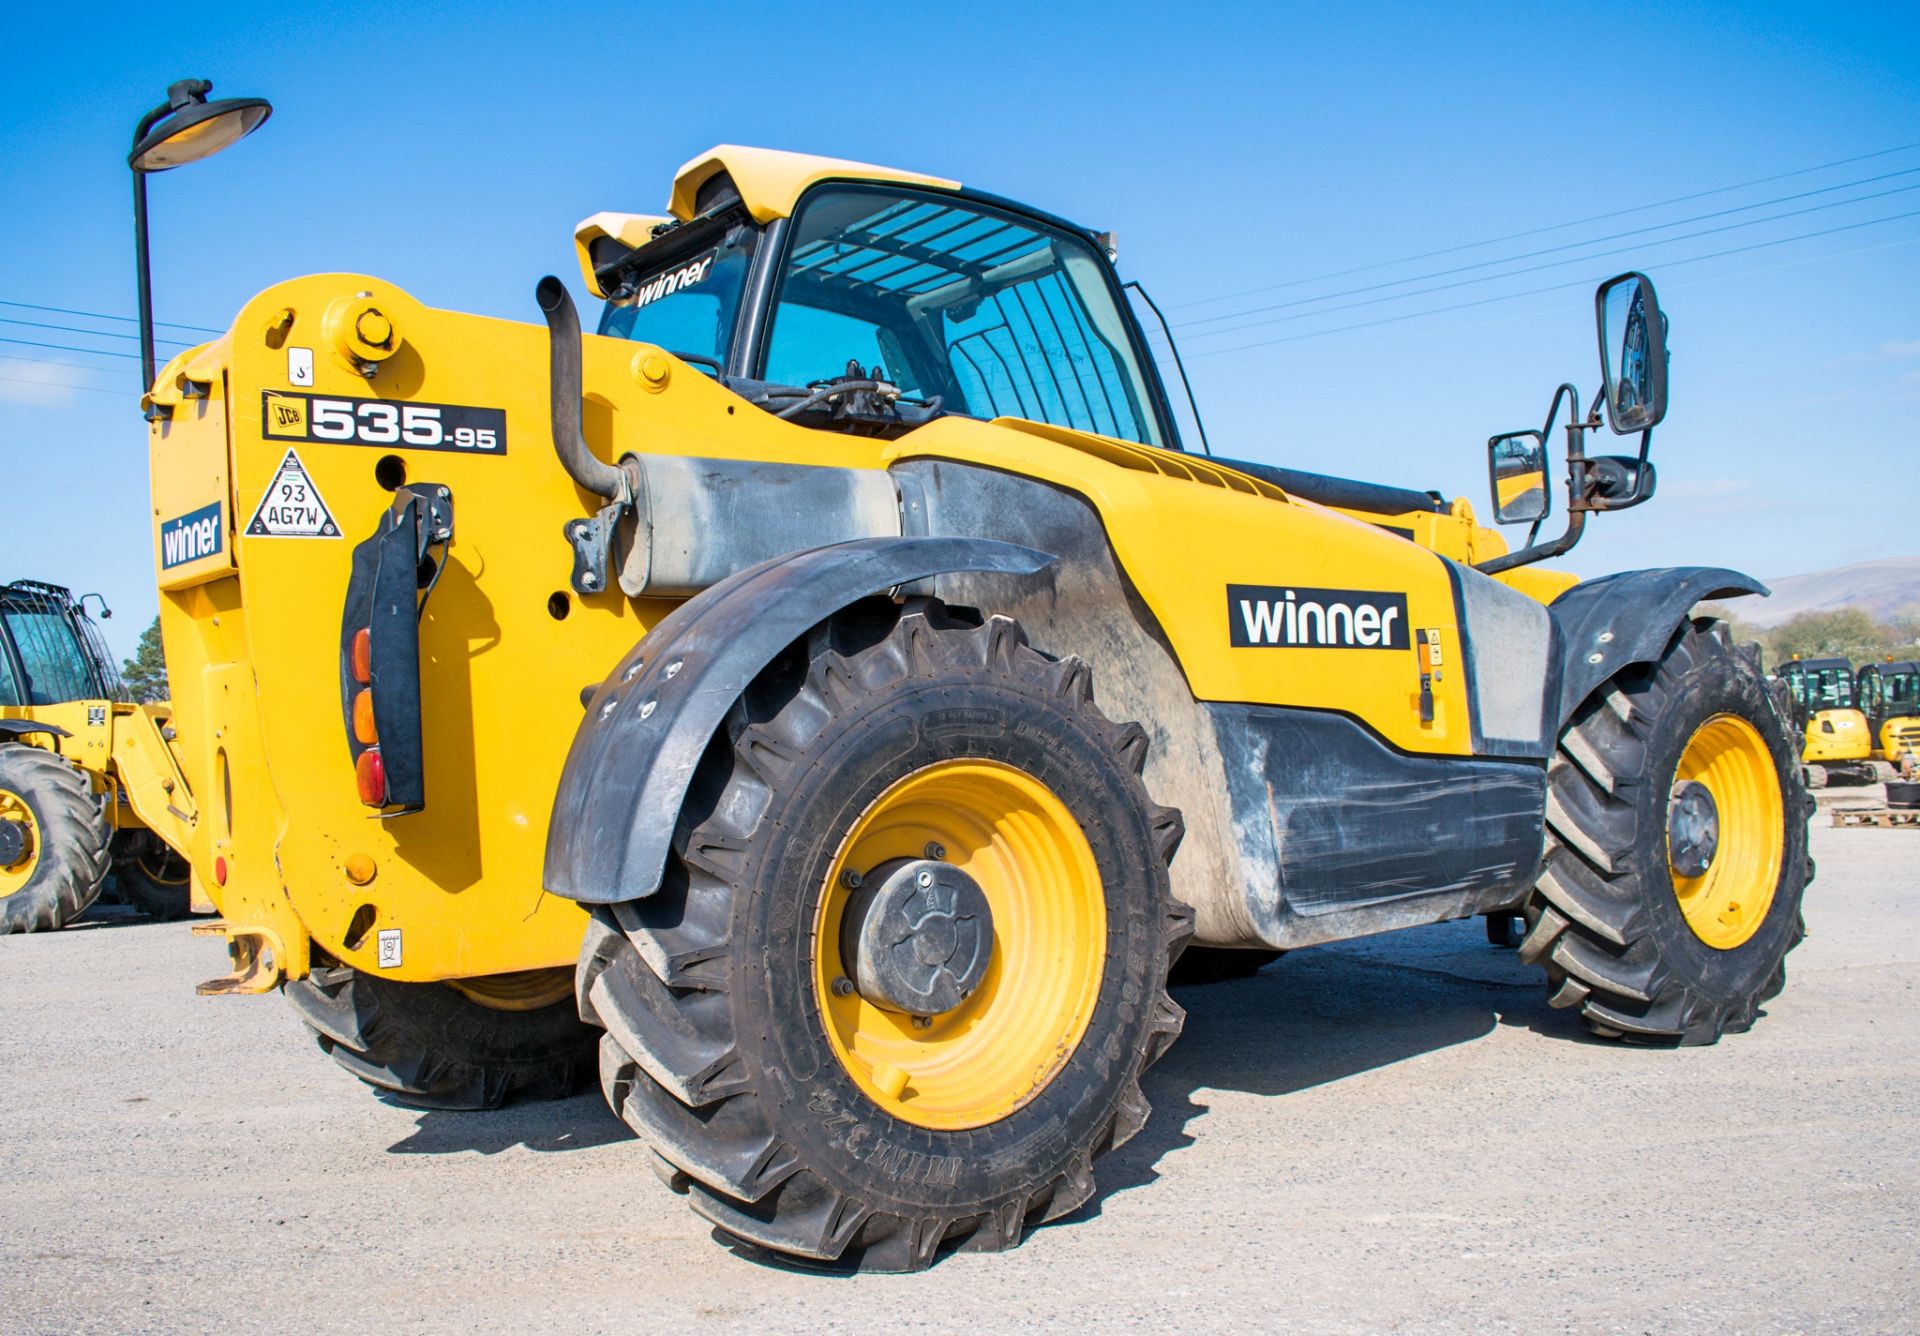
point(1390, 1134)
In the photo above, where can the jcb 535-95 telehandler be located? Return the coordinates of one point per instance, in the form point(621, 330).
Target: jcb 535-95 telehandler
point(830, 697)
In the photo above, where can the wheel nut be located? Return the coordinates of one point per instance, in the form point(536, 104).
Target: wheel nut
point(935, 849)
point(926, 880)
point(842, 986)
point(850, 879)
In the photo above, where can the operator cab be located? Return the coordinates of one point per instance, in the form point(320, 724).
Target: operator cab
point(861, 299)
point(1814, 685)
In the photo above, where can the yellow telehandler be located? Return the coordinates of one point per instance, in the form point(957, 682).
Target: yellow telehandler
point(88, 783)
point(828, 698)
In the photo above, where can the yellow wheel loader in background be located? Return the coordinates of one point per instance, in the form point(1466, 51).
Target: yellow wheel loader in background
point(88, 785)
point(1836, 745)
point(828, 699)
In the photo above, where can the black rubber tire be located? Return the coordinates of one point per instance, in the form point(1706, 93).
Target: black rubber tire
point(151, 877)
point(433, 1048)
point(716, 1052)
point(73, 840)
point(1903, 793)
point(1218, 964)
point(1604, 919)
point(1814, 776)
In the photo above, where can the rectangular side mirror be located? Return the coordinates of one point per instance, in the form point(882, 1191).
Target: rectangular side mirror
point(1633, 352)
point(1517, 464)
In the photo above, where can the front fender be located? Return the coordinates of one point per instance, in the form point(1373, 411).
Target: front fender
point(19, 728)
point(649, 723)
point(1614, 622)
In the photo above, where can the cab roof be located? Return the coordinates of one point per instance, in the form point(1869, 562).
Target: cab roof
point(769, 181)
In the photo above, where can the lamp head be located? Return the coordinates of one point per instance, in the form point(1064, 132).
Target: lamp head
point(190, 128)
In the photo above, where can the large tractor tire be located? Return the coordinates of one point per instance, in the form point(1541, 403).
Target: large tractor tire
point(53, 841)
point(471, 1044)
point(151, 877)
point(910, 955)
point(1677, 849)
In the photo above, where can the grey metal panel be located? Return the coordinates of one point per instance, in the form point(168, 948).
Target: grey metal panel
point(1340, 835)
point(702, 520)
point(1508, 656)
point(1620, 620)
point(647, 725)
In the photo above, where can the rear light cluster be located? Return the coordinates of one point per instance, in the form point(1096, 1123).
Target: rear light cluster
point(369, 771)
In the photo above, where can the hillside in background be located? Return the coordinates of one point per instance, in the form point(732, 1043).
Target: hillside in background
point(1885, 589)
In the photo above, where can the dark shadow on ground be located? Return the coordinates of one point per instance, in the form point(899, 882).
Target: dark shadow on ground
point(578, 1123)
point(1315, 1016)
point(1326, 1014)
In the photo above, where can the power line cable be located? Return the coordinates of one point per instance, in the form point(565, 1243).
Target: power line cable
point(69, 348)
point(1554, 227)
point(1552, 287)
point(62, 385)
point(98, 333)
point(99, 315)
point(1571, 245)
point(1552, 264)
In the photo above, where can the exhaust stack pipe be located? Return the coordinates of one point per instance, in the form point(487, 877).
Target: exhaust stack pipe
point(563, 341)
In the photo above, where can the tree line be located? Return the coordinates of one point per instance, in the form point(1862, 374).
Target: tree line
point(1853, 634)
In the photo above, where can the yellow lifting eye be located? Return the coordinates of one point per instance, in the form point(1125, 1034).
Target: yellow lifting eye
point(361, 330)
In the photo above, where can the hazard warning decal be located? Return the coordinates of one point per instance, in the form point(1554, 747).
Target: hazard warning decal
point(292, 507)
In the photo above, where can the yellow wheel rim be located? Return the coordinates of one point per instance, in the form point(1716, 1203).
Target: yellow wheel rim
point(1726, 904)
point(15, 875)
point(525, 990)
point(998, 1049)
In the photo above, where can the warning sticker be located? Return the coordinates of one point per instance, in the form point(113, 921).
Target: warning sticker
point(292, 507)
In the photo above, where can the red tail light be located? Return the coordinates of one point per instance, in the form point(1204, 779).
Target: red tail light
point(371, 773)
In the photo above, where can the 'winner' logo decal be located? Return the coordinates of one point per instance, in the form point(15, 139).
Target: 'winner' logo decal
point(1293, 617)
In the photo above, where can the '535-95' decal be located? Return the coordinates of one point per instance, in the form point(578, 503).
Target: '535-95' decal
point(407, 426)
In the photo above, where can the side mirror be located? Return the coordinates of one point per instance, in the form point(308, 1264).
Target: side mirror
point(1633, 352)
point(1517, 464)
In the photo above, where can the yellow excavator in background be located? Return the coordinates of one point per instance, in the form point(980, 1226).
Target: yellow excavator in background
point(1836, 745)
point(1888, 694)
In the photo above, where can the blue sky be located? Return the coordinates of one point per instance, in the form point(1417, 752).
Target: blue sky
point(1236, 150)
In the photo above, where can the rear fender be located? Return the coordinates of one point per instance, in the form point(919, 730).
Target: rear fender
point(1612, 623)
point(649, 723)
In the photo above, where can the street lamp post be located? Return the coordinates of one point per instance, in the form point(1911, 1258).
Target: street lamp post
point(185, 128)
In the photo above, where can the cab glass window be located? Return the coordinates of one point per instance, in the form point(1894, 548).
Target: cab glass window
point(55, 667)
point(687, 305)
point(992, 313)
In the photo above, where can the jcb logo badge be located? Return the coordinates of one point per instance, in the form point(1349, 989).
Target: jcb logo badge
point(286, 415)
point(1282, 616)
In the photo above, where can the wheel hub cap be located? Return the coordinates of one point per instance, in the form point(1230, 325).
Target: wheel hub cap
point(1693, 828)
point(13, 842)
point(918, 935)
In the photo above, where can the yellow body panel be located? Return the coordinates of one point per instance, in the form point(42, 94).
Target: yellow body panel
point(126, 759)
point(1837, 735)
point(256, 679)
point(1898, 736)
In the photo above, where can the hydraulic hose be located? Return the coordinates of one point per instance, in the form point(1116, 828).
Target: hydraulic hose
point(563, 342)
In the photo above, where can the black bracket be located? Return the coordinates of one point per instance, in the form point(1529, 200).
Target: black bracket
point(592, 544)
